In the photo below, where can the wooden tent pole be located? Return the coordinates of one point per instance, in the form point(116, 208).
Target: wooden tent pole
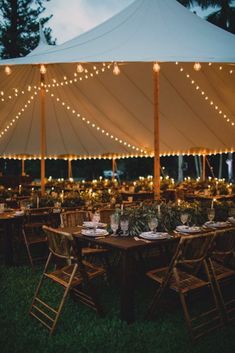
point(70, 168)
point(203, 167)
point(23, 169)
point(157, 168)
point(43, 133)
point(113, 169)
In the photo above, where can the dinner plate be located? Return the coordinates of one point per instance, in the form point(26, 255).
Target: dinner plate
point(19, 213)
point(188, 230)
point(154, 236)
point(93, 224)
point(231, 220)
point(91, 233)
point(216, 224)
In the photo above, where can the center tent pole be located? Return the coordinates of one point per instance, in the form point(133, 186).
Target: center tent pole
point(157, 168)
point(43, 132)
point(70, 174)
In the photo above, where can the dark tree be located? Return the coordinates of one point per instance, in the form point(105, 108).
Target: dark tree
point(223, 17)
point(19, 26)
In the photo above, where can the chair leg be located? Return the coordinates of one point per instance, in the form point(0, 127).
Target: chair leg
point(217, 292)
point(152, 309)
point(63, 299)
point(41, 281)
point(28, 250)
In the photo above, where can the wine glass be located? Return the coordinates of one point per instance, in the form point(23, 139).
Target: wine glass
point(124, 226)
point(153, 223)
point(95, 220)
point(114, 224)
point(184, 218)
point(211, 214)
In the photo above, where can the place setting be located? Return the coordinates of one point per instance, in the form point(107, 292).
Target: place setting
point(153, 234)
point(94, 228)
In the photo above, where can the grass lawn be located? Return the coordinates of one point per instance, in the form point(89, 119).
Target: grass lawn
point(80, 330)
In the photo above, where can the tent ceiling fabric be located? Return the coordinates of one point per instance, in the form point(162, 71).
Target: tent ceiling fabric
point(121, 106)
point(96, 113)
point(147, 30)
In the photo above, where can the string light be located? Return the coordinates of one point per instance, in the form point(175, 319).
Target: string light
point(17, 116)
point(197, 66)
point(43, 69)
point(96, 127)
point(116, 70)
point(8, 70)
point(80, 68)
point(211, 102)
point(156, 67)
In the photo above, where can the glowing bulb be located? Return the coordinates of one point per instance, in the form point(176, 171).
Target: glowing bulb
point(80, 68)
point(197, 66)
point(43, 69)
point(116, 70)
point(156, 67)
point(7, 70)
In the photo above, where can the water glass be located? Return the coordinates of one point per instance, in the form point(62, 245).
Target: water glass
point(184, 218)
point(95, 220)
point(153, 223)
point(211, 214)
point(124, 226)
point(114, 223)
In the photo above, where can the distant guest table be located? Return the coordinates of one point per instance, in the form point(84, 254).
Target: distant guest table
point(137, 196)
point(203, 197)
point(7, 221)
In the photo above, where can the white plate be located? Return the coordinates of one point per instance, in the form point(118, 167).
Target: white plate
point(98, 233)
point(91, 225)
point(19, 213)
point(216, 224)
point(154, 236)
point(187, 229)
point(231, 220)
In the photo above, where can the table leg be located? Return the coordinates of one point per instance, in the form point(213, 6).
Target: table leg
point(127, 289)
point(7, 244)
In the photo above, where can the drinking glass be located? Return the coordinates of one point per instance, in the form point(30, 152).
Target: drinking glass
point(114, 224)
point(124, 226)
point(95, 220)
point(184, 218)
point(211, 214)
point(153, 223)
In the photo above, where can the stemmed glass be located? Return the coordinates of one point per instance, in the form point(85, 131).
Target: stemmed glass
point(184, 218)
point(114, 224)
point(153, 223)
point(124, 223)
point(95, 220)
point(211, 214)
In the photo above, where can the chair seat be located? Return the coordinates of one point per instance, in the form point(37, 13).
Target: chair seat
point(62, 275)
point(221, 271)
point(188, 282)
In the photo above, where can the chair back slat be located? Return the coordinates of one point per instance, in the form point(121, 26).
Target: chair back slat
point(224, 242)
point(72, 218)
point(193, 249)
point(105, 214)
point(60, 243)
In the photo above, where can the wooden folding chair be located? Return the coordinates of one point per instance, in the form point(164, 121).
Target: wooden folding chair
point(76, 218)
point(32, 232)
point(75, 277)
point(220, 259)
point(181, 277)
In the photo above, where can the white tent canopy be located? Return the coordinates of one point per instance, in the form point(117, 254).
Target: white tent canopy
point(95, 113)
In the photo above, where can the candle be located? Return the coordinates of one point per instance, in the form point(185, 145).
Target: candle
point(37, 202)
point(178, 202)
point(212, 203)
point(121, 209)
point(159, 210)
point(20, 188)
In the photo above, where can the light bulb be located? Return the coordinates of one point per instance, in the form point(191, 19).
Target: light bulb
point(197, 66)
point(43, 69)
point(116, 70)
point(156, 67)
point(7, 70)
point(80, 68)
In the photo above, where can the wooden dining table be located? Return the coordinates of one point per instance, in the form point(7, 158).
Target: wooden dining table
point(128, 247)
